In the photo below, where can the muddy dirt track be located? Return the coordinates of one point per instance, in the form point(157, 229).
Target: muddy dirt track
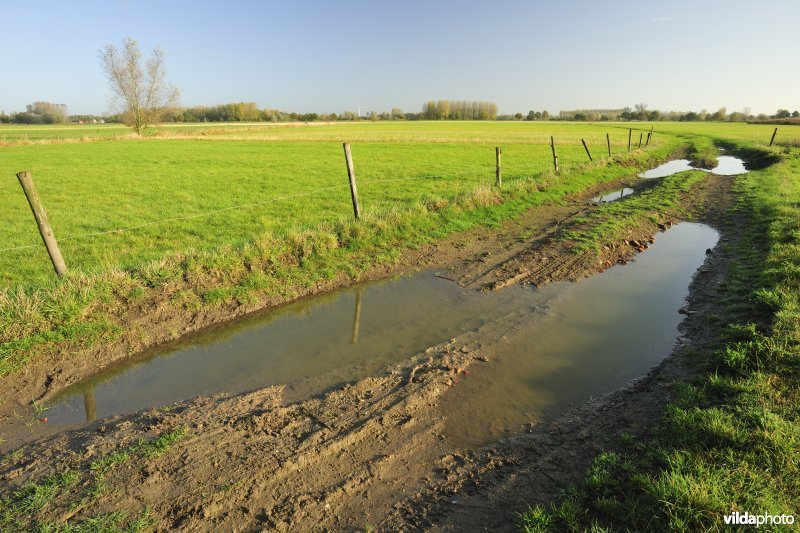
point(374, 453)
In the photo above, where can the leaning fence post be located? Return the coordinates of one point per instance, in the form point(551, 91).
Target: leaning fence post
point(587, 150)
point(352, 177)
point(630, 132)
point(608, 141)
point(499, 179)
point(555, 157)
point(640, 139)
point(774, 133)
point(26, 180)
point(647, 142)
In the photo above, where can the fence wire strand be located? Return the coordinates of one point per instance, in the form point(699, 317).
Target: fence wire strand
point(363, 183)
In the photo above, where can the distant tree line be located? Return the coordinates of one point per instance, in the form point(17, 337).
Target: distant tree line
point(49, 113)
point(641, 113)
point(459, 110)
point(38, 113)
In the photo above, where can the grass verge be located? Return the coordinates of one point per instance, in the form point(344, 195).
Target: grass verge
point(731, 439)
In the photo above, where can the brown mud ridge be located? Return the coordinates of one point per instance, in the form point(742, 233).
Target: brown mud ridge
point(374, 453)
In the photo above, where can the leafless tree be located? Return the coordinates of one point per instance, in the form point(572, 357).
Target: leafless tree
point(141, 92)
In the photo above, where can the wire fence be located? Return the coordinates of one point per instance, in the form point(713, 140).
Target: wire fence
point(343, 186)
point(511, 172)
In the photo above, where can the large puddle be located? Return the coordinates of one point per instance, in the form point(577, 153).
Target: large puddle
point(579, 340)
point(597, 336)
point(309, 346)
point(727, 165)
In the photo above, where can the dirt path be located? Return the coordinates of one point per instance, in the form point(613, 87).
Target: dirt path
point(373, 453)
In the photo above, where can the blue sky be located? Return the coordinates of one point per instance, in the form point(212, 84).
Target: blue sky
point(325, 56)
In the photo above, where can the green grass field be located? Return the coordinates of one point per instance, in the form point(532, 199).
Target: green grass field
point(172, 189)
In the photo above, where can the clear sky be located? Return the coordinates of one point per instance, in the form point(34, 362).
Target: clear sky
point(331, 56)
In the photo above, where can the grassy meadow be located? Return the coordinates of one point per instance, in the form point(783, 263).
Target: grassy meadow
point(182, 194)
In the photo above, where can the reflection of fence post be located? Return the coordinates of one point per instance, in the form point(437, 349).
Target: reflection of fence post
point(587, 150)
point(774, 133)
point(89, 406)
point(356, 317)
point(352, 176)
point(26, 180)
point(499, 176)
point(630, 132)
point(555, 157)
point(608, 141)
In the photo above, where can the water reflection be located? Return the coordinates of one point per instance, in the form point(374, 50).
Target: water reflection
point(309, 346)
point(667, 169)
point(727, 165)
point(611, 196)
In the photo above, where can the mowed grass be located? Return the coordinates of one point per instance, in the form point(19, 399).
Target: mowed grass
point(177, 195)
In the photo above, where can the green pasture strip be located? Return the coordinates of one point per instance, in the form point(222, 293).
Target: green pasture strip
point(178, 196)
point(313, 240)
point(730, 441)
point(611, 221)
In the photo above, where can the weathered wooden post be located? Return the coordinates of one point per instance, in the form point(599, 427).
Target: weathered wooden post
point(630, 132)
point(499, 176)
point(356, 317)
point(26, 180)
point(352, 176)
point(774, 133)
point(647, 142)
point(555, 157)
point(640, 139)
point(587, 150)
point(608, 141)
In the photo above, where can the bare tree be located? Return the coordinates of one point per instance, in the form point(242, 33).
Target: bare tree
point(140, 90)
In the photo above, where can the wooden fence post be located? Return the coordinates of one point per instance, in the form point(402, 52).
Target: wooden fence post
point(630, 132)
point(647, 142)
point(555, 157)
point(774, 133)
point(587, 150)
point(352, 176)
point(608, 141)
point(499, 176)
point(26, 180)
point(640, 139)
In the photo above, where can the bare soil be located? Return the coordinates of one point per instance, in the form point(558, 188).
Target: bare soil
point(372, 453)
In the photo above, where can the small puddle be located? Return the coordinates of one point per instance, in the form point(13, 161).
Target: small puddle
point(611, 196)
point(727, 165)
point(598, 335)
point(667, 169)
point(578, 340)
